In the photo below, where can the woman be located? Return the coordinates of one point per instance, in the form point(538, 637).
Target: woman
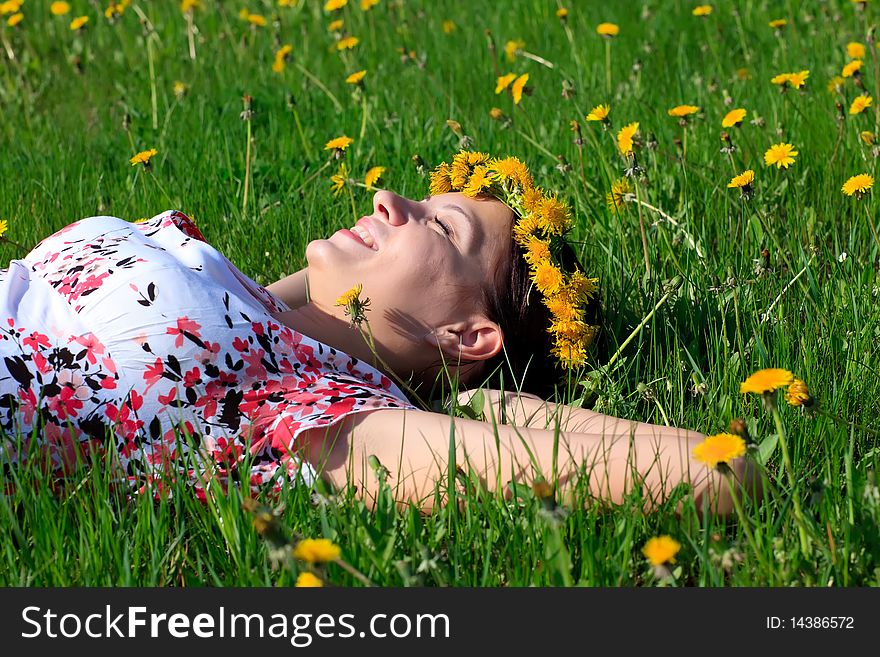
point(147, 332)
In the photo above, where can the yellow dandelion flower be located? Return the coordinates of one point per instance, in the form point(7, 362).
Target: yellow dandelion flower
point(308, 580)
point(372, 176)
point(555, 217)
point(562, 305)
point(744, 179)
point(15, 19)
point(4, 226)
point(867, 137)
point(348, 298)
point(572, 330)
point(503, 82)
point(526, 227)
point(478, 181)
point(496, 113)
point(782, 155)
point(336, 26)
point(607, 30)
point(625, 137)
point(852, 68)
point(860, 104)
point(798, 394)
point(441, 182)
point(778, 23)
point(59, 8)
point(599, 113)
point(537, 251)
point(339, 143)
point(511, 47)
point(548, 278)
point(855, 50)
point(281, 58)
point(835, 84)
point(517, 88)
point(339, 179)
point(180, 88)
point(582, 287)
point(366, 5)
point(189, 5)
point(742, 73)
point(448, 27)
point(356, 77)
point(512, 170)
point(858, 185)
point(257, 20)
point(616, 198)
point(767, 380)
point(562, 13)
point(143, 157)
point(733, 118)
point(333, 5)
point(720, 448)
point(532, 197)
point(317, 550)
point(781, 79)
point(702, 10)
point(799, 79)
point(347, 43)
point(78, 23)
point(683, 110)
point(660, 550)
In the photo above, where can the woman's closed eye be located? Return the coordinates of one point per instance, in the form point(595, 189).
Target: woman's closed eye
point(442, 225)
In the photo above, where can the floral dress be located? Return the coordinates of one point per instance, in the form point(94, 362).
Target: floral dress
point(144, 343)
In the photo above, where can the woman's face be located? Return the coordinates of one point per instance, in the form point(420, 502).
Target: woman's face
point(416, 276)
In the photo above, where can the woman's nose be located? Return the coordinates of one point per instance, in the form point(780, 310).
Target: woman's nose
point(390, 207)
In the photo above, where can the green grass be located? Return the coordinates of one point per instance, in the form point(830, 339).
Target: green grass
point(65, 156)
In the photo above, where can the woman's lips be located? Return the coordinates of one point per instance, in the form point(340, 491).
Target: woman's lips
point(355, 237)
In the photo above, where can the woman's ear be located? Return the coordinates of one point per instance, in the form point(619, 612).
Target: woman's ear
point(475, 339)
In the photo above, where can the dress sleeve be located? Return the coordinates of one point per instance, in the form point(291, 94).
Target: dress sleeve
point(330, 385)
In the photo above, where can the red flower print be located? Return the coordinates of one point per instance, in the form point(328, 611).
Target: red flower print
point(240, 345)
point(153, 373)
point(255, 368)
point(36, 340)
point(184, 324)
point(91, 343)
point(191, 378)
point(65, 404)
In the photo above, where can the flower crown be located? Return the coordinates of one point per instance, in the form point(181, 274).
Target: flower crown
point(540, 228)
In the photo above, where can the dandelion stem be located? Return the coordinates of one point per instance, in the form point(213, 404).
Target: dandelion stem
point(371, 342)
point(311, 178)
point(789, 470)
point(673, 286)
point(302, 136)
point(354, 572)
point(744, 522)
point(642, 228)
point(608, 66)
point(247, 170)
point(190, 35)
point(320, 86)
point(363, 117)
point(154, 101)
point(848, 423)
point(6, 240)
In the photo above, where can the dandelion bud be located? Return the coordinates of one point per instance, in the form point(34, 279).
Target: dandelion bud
point(545, 493)
point(420, 164)
point(126, 121)
point(765, 257)
point(738, 428)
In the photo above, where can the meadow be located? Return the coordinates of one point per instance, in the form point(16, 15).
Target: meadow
point(707, 274)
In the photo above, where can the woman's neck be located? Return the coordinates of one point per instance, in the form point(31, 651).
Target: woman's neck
point(292, 290)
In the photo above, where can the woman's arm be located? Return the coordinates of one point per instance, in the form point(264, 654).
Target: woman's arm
point(527, 410)
point(414, 446)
